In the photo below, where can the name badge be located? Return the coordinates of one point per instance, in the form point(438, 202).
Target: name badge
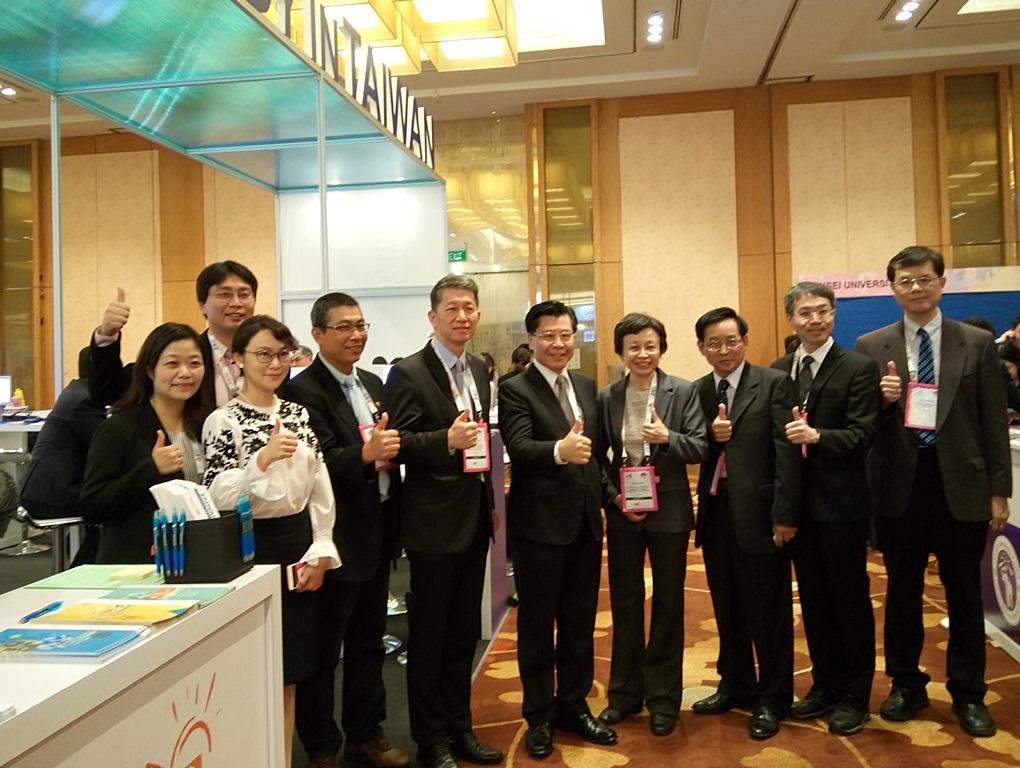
point(476, 458)
point(638, 489)
point(366, 435)
point(922, 406)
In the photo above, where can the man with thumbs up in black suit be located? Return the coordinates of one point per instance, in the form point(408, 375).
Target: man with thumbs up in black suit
point(357, 445)
point(437, 399)
point(748, 511)
point(834, 425)
point(548, 415)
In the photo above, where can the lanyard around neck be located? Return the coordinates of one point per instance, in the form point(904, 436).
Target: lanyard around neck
point(648, 415)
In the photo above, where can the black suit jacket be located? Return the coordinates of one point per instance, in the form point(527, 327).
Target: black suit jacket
point(971, 431)
point(439, 510)
point(363, 524)
point(109, 377)
point(764, 468)
point(677, 403)
point(548, 502)
point(115, 491)
point(842, 405)
point(51, 484)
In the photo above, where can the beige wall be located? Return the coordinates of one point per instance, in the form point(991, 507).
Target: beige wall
point(679, 223)
point(851, 184)
point(240, 225)
point(112, 221)
point(110, 229)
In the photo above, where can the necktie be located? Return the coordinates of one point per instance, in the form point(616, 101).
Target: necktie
point(925, 375)
point(235, 372)
point(460, 376)
point(804, 379)
point(356, 397)
point(721, 394)
point(564, 399)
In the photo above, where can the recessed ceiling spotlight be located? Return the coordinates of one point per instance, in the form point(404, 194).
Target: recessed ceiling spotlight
point(911, 6)
point(8, 91)
point(903, 16)
point(656, 19)
point(654, 37)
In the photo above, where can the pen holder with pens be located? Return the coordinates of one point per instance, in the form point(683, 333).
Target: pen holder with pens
point(213, 551)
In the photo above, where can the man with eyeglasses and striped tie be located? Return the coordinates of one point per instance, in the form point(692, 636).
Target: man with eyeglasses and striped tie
point(939, 474)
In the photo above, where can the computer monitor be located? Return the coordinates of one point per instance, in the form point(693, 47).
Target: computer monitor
point(5, 390)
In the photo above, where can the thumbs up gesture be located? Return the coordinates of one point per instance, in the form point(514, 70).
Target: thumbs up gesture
point(575, 448)
point(654, 431)
point(463, 433)
point(115, 316)
point(722, 427)
point(798, 431)
point(891, 385)
point(167, 457)
point(282, 445)
point(384, 443)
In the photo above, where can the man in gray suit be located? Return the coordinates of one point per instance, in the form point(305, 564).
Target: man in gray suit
point(939, 473)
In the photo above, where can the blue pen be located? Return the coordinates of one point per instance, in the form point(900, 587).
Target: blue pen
point(155, 542)
point(163, 535)
point(184, 549)
point(176, 530)
point(41, 612)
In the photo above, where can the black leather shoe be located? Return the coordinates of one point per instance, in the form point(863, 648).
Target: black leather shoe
point(538, 741)
point(764, 723)
point(437, 756)
point(975, 719)
point(848, 719)
point(588, 728)
point(467, 747)
point(611, 715)
point(815, 704)
point(662, 724)
point(903, 704)
point(718, 703)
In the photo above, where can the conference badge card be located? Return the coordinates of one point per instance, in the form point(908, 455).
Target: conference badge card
point(638, 489)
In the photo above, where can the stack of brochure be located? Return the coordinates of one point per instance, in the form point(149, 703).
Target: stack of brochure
point(32, 643)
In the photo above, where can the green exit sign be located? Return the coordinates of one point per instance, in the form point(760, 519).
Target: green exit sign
point(460, 255)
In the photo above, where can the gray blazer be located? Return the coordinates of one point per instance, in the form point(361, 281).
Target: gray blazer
point(676, 402)
point(971, 430)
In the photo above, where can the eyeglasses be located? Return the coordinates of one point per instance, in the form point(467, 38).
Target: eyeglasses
point(266, 356)
point(716, 345)
point(904, 284)
point(346, 328)
point(550, 336)
point(808, 314)
point(242, 294)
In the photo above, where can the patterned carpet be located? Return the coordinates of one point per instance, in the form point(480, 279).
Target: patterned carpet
point(719, 741)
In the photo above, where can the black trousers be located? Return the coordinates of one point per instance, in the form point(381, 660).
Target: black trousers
point(445, 624)
point(753, 604)
point(835, 595)
point(558, 586)
point(647, 673)
point(927, 526)
point(352, 615)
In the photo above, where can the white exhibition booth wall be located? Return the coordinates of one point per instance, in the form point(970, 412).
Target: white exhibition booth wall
point(387, 248)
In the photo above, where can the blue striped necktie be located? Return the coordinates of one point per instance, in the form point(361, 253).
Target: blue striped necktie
point(925, 375)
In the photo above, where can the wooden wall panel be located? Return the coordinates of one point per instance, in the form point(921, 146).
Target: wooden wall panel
point(609, 236)
point(182, 236)
point(927, 210)
point(679, 222)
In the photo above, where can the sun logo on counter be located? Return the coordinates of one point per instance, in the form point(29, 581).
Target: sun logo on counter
point(194, 740)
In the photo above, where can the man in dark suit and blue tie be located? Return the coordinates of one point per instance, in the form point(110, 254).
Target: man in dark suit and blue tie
point(342, 400)
point(939, 477)
point(546, 415)
point(748, 510)
point(438, 399)
point(834, 425)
